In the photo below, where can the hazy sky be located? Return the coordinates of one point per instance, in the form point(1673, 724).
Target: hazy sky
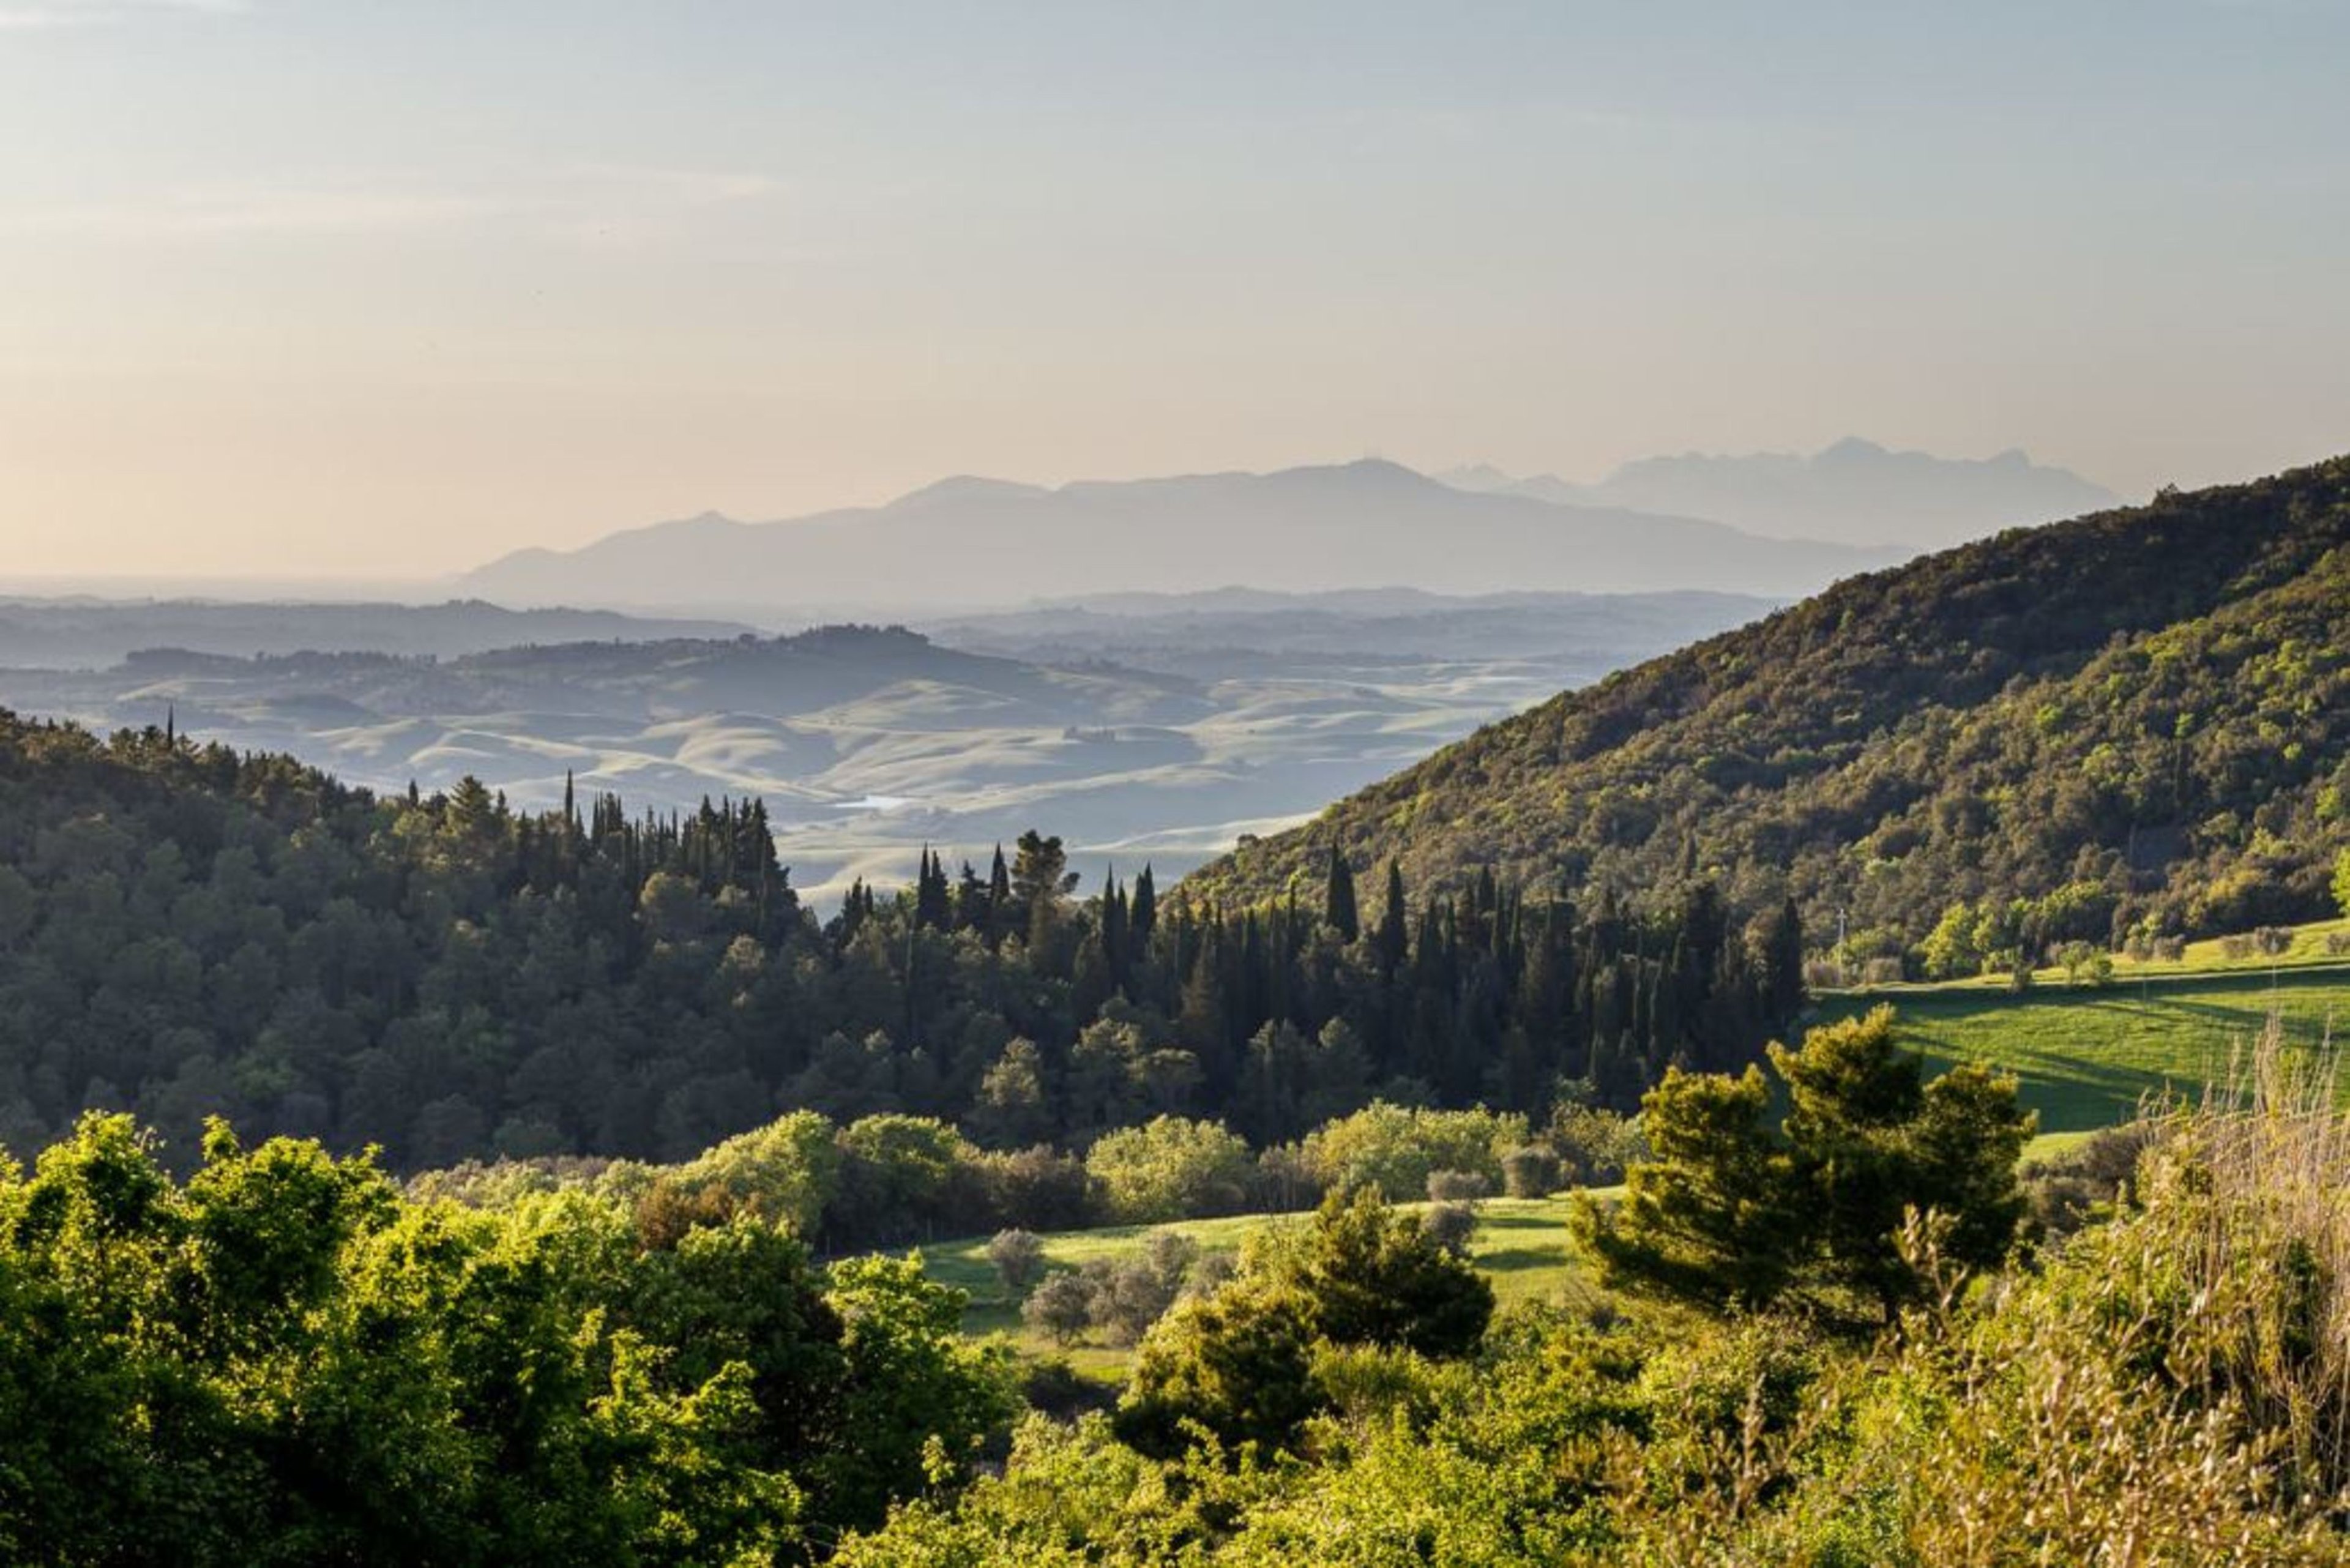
point(289, 286)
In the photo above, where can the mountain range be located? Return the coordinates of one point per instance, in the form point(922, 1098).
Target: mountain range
point(971, 542)
point(1855, 491)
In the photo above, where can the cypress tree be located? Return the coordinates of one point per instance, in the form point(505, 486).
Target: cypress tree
point(1338, 907)
point(1144, 915)
point(1393, 931)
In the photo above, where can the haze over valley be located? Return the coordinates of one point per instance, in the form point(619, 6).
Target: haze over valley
point(1151, 728)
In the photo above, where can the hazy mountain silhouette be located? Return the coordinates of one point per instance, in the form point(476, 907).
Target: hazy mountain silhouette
point(970, 541)
point(1855, 492)
point(83, 632)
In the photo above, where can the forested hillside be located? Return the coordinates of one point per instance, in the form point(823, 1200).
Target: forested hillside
point(2135, 721)
point(185, 931)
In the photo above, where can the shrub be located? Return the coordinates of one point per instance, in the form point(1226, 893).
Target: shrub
point(2274, 941)
point(1237, 1364)
point(1529, 1171)
point(1018, 1258)
point(1170, 1168)
point(1061, 1307)
point(1395, 1150)
point(1131, 1293)
point(2067, 1191)
point(1458, 1186)
point(1884, 971)
point(1449, 1225)
point(1594, 1145)
point(1371, 1275)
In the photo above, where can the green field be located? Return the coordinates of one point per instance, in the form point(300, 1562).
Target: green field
point(2313, 948)
point(1521, 1245)
point(2087, 1058)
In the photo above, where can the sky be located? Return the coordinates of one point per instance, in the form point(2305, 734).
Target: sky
point(296, 288)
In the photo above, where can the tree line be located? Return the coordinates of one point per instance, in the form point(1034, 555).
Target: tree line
point(186, 931)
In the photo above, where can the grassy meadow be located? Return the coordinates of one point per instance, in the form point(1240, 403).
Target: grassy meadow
point(1521, 1245)
point(2087, 1057)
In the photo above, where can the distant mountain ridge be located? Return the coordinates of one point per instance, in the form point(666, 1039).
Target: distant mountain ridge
point(84, 633)
point(967, 542)
point(2140, 718)
point(1854, 492)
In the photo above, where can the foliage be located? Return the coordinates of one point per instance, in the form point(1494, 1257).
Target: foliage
point(1369, 1274)
point(1018, 1257)
point(1396, 1149)
point(1169, 1169)
point(185, 932)
point(1234, 1366)
point(1730, 1210)
point(2144, 713)
point(284, 1360)
point(2166, 1390)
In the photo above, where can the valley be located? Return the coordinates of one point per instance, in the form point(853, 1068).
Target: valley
point(1156, 730)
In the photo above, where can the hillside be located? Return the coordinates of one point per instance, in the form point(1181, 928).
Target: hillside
point(969, 542)
point(2139, 714)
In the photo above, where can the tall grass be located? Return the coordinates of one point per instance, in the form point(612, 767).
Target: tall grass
point(2168, 1389)
point(2174, 1387)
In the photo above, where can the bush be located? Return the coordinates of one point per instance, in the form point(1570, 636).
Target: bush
point(1170, 1168)
point(1018, 1258)
point(1237, 1364)
point(1595, 1146)
point(2337, 943)
point(1129, 1295)
point(1395, 1149)
point(1371, 1275)
point(2065, 1192)
point(1061, 1307)
point(1037, 1188)
point(1529, 1171)
point(2086, 965)
point(1458, 1186)
point(1449, 1225)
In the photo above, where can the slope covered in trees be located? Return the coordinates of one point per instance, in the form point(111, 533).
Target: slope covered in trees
point(187, 933)
point(2138, 720)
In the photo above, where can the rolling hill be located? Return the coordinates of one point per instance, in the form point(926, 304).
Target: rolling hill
point(971, 542)
point(2139, 714)
point(1154, 732)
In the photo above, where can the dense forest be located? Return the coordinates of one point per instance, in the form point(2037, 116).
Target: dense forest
point(2138, 723)
point(186, 931)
